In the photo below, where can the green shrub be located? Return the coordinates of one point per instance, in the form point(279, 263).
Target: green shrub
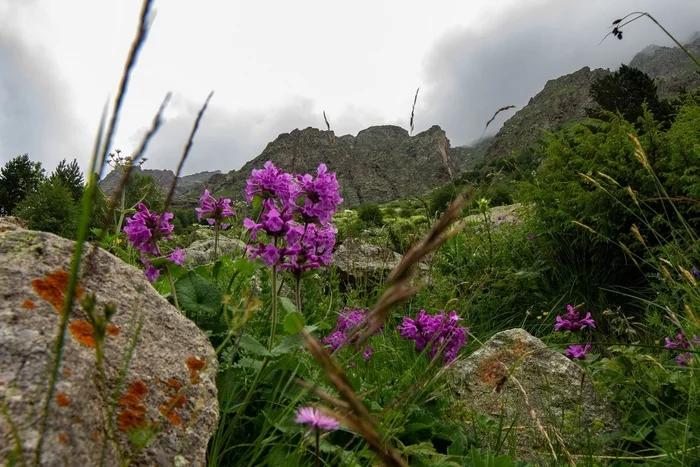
point(51, 209)
point(370, 214)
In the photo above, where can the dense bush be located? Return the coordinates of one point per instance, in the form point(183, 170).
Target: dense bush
point(51, 208)
point(370, 214)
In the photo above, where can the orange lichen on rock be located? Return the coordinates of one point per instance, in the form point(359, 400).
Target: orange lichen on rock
point(113, 330)
point(176, 402)
point(63, 438)
point(492, 370)
point(77, 420)
point(62, 400)
point(28, 304)
point(67, 373)
point(134, 413)
point(174, 384)
point(53, 288)
point(95, 435)
point(195, 365)
point(82, 332)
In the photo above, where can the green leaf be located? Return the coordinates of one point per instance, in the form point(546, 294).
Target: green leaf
point(288, 344)
point(253, 347)
point(244, 266)
point(197, 295)
point(288, 305)
point(294, 322)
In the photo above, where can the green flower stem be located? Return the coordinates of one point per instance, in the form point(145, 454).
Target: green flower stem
point(172, 287)
point(273, 324)
point(317, 463)
point(297, 293)
point(216, 239)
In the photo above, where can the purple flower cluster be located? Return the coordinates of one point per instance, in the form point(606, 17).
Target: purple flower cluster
point(572, 321)
point(348, 320)
point(439, 332)
point(296, 218)
point(214, 210)
point(144, 230)
point(682, 342)
point(578, 351)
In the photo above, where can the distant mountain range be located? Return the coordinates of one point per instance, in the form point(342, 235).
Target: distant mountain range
point(383, 163)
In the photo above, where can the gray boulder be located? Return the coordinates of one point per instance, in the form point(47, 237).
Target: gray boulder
point(159, 368)
point(356, 260)
point(202, 251)
point(516, 376)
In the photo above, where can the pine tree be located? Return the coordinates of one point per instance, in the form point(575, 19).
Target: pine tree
point(70, 176)
point(18, 178)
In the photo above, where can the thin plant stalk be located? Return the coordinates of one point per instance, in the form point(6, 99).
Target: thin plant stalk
point(172, 287)
point(216, 239)
point(317, 462)
point(297, 292)
point(273, 324)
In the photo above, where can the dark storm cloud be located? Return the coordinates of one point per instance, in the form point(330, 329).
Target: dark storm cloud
point(472, 74)
point(35, 116)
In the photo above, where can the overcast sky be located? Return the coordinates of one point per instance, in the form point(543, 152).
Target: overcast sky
point(276, 65)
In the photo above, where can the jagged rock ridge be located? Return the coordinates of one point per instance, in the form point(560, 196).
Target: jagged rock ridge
point(562, 100)
point(380, 164)
point(670, 67)
point(164, 179)
point(566, 98)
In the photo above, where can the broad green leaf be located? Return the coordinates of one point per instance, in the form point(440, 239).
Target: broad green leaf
point(253, 347)
point(294, 322)
point(197, 295)
point(288, 305)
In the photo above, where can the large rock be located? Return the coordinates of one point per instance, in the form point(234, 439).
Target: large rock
point(514, 373)
point(357, 260)
point(202, 251)
point(159, 369)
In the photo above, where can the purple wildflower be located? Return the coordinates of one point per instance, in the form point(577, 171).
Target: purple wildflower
point(296, 214)
point(315, 420)
point(315, 248)
point(531, 236)
point(321, 195)
point(571, 321)
point(684, 358)
point(214, 210)
point(153, 273)
point(271, 182)
point(577, 351)
point(348, 320)
point(146, 228)
point(695, 272)
point(440, 332)
point(681, 341)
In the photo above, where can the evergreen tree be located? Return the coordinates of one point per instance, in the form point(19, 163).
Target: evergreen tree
point(70, 176)
point(18, 178)
point(625, 91)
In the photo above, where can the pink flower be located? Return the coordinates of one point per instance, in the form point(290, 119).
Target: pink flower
point(315, 420)
point(577, 351)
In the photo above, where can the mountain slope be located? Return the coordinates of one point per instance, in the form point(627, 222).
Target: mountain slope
point(380, 164)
